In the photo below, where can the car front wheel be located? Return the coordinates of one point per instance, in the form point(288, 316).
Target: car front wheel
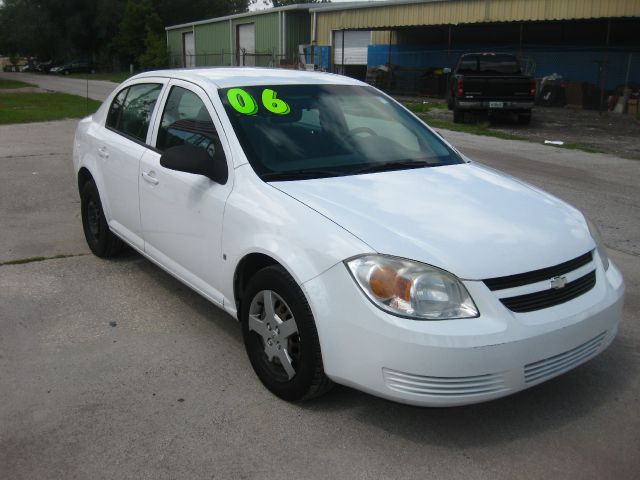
point(280, 336)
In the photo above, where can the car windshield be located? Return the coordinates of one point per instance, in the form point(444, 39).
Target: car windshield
point(312, 131)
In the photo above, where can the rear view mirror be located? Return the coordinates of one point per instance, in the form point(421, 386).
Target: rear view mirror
point(190, 159)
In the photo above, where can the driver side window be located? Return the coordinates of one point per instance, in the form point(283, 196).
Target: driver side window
point(185, 120)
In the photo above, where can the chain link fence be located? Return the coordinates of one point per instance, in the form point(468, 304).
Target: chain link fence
point(226, 59)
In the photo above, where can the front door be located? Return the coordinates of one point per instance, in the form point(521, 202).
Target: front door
point(181, 212)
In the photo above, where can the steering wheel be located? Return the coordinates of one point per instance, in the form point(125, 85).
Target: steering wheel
point(358, 130)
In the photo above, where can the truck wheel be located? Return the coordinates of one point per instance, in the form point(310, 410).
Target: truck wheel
point(458, 115)
point(524, 118)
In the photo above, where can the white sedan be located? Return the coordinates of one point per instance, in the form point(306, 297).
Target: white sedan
point(353, 244)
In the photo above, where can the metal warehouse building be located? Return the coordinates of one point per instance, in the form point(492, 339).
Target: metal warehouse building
point(263, 38)
point(403, 45)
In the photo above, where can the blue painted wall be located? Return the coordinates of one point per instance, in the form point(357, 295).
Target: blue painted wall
point(577, 65)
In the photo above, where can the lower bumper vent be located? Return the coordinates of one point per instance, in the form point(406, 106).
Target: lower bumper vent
point(562, 362)
point(443, 386)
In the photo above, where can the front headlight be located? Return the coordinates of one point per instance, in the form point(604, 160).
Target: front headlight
point(411, 289)
point(597, 237)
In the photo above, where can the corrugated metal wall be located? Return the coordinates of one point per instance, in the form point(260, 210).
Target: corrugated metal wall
point(298, 31)
point(469, 11)
point(213, 44)
point(174, 41)
point(267, 31)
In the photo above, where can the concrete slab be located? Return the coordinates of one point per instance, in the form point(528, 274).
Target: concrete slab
point(113, 369)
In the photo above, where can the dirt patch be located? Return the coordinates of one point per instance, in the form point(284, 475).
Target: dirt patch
point(608, 132)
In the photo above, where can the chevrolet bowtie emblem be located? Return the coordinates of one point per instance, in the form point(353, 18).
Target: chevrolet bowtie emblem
point(558, 282)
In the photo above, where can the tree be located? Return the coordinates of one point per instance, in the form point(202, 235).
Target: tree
point(155, 54)
point(138, 20)
point(173, 12)
point(98, 29)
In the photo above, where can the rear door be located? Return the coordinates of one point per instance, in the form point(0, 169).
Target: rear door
point(182, 212)
point(119, 146)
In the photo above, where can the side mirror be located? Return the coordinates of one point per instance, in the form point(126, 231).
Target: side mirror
point(446, 70)
point(191, 159)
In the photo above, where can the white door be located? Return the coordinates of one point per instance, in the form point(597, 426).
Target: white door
point(119, 147)
point(189, 50)
point(181, 212)
point(356, 45)
point(246, 44)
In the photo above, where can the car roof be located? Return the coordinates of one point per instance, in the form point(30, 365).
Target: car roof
point(225, 77)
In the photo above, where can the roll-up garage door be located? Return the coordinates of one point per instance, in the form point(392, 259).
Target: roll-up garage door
point(189, 49)
point(356, 44)
point(246, 44)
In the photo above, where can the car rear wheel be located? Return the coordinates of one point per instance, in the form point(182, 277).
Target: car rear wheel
point(458, 115)
point(280, 336)
point(102, 242)
point(524, 118)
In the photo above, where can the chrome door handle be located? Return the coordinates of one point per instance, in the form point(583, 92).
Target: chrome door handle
point(103, 153)
point(150, 178)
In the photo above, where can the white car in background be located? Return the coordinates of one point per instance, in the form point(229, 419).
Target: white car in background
point(353, 244)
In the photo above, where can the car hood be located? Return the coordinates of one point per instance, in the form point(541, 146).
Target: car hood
point(468, 219)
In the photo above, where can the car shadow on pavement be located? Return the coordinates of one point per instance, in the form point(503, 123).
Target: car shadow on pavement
point(188, 297)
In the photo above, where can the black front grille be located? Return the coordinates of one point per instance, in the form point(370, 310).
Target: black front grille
point(501, 283)
point(551, 297)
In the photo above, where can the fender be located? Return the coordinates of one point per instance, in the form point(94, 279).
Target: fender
point(302, 240)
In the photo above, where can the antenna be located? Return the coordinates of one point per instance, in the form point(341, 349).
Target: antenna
point(87, 97)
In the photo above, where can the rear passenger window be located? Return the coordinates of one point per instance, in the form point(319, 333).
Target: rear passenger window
point(185, 120)
point(113, 117)
point(131, 110)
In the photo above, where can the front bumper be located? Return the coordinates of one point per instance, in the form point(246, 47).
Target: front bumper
point(457, 362)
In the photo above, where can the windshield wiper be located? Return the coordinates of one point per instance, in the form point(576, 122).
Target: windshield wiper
point(300, 174)
point(387, 166)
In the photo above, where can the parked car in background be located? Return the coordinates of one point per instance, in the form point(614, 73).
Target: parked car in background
point(490, 82)
point(351, 241)
point(44, 67)
point(77, 66)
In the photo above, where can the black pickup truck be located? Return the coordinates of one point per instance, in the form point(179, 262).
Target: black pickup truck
point(490, 82)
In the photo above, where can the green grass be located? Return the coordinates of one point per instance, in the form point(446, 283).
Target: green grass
point(42, 107)
point(116, 77)
point(424, 107)
point(485, 130)
point(474, 128)
point(11, 84)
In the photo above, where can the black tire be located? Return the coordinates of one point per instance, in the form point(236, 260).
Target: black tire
point(458, 115)
point(309, 380)
point(102, 242)
point(524, 118)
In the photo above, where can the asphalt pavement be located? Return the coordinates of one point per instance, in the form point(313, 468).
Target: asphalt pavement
point(113, 369)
